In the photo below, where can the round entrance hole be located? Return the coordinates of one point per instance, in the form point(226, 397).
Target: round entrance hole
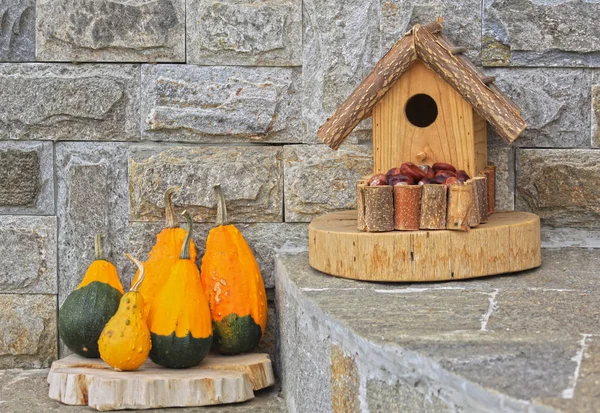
point(421, 110)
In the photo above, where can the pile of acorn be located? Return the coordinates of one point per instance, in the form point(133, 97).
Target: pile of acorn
point(410, 174)
point(422, 197)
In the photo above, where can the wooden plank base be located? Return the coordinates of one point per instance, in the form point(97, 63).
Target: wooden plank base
point(76, 380)
point(508, 242)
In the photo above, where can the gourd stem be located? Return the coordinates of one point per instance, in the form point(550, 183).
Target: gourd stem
point(140, 266)
point(221, 206)
point(171, 217)
point(185, 249)
point(98, 247)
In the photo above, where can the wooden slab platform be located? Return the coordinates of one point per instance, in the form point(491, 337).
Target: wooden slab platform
point(508, 242)
point(76, 380)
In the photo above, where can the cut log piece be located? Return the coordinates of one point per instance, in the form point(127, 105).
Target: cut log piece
point(460, 201)
point(433, 207)
point(379, 208)
point(475, 214)
point(481, 193)
point(490, 174)
point(360, 204)
point(407, 207)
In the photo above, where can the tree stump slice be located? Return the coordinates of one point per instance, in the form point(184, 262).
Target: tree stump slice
point(508, 242)
point(75, 380)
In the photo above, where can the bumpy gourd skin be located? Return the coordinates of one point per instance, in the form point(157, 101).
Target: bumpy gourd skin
point(179, 317)
point(234, 285)
point(163, 255)
point(125, 341)
point(88, 308)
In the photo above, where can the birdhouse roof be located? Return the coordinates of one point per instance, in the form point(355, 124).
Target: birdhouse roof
point(429, 45)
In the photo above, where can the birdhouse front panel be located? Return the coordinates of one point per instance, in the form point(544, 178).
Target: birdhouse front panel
point(424, 120)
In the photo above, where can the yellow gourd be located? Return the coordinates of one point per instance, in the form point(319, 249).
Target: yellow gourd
point(125, 341)
point(163, 255)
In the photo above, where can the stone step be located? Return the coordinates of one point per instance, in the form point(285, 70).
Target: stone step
point(26, 391)
point(527, 342)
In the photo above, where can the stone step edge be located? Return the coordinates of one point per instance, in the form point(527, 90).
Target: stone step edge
point(393, 363)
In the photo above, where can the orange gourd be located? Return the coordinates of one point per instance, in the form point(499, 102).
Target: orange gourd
point(163, 255)
point(234, 285)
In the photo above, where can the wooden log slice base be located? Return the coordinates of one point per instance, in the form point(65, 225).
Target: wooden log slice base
point(508, 242)
point(75, 380)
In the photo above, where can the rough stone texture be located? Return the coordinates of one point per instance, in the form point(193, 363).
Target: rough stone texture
point(244, 32)
point(344, 382)
point(319, 180)
point(110, 31)
point(555, 103)
point(560, 185)
point(462, 21)
point(28, 251)
point(251, 178)
point(220, 104)
point(26, 391)
point(504, 159)
point(265, 239)
point(341, 45)
point(570, 237)
point(26, 178)
point(67, 102)
point(17, 31)
point(596, 109)
point(509, 343)
point(383, 397)
point(541, 33)
point(29, 332)
point(92, 199)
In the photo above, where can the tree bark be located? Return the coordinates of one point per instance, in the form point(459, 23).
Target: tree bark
point(433, 207)
point(379, 208)
point(460, 202)
point(407, 207)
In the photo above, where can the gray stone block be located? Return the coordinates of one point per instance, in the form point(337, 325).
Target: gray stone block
point(265, 239)
point(462, 21)
point(560, 185)
point(68, 102)
point(541, 33)
point(17, 31)
point(220, 104)
point(383, 397)
point(29, 332)
point(92, 199)
point(110, 31)
point(26, 178)
point(28, 251)
point(504, 159)
point(251, 178)
point(596, 109)
point(341, 46)
point(319, 180)
point(244, 32)
point(555, 103)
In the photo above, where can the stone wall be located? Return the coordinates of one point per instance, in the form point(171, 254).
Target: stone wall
point(104, 104)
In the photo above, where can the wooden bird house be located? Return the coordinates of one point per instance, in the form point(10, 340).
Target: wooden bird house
point(429, 104)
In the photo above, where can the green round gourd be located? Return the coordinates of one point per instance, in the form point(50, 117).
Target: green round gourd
point(83, 316)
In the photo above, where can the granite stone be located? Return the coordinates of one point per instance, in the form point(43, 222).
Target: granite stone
point(28, 251)
point(560, 185)
point(555, 103)
point(345, 382)
point(26, 391)
point(341, 44)
point(221, 104)
point(26, 178)
point(17, 31)
point(541, 33)
point(383, 397)
point(29, 331)
point(319, 180)
point(251, 178)
point(69, 102)
point(244, 32)
point(596, 109)
point(92, 199)
point(110, 31)
point(462, 21)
